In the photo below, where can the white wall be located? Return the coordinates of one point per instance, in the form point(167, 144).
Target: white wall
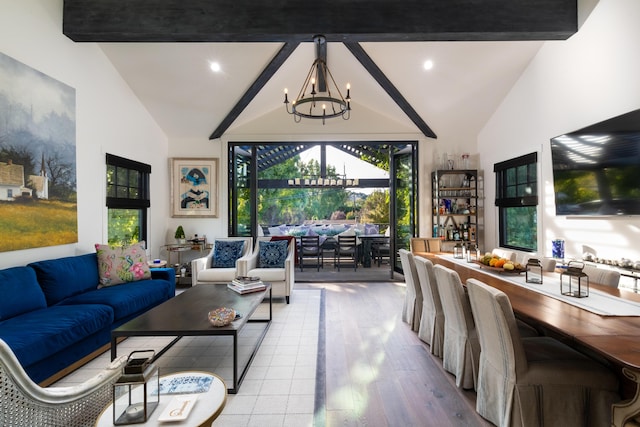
point(570, 84)
point(109, 118)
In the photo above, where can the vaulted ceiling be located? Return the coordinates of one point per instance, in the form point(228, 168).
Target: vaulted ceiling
point(162, 49)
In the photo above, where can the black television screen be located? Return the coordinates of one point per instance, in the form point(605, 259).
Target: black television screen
point(596, 170)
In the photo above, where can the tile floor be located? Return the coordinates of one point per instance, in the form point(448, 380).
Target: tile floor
point(279, 388)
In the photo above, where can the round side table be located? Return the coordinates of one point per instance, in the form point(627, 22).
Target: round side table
point(206, 409)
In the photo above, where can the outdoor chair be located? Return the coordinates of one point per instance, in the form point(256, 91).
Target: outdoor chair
point(310, 249)
point(25, 403)
point(346, 249)
point(380, 249)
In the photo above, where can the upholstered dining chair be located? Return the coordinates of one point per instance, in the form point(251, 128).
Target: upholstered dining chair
point(602, 276)
point(346, 249)
point(461, 347)
point(431, 328)
point(412, 308)
point(25, 403)
point(310, 249)
point(534, 381)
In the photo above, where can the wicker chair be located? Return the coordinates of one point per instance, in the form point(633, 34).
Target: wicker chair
point(24, 403)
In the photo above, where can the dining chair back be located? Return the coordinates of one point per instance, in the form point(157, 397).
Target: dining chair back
point(602, 276)
point(412, 308)
point(310, 249)
point(346, 250)
point(461, 347)
point(534, 381)
point(431, 328)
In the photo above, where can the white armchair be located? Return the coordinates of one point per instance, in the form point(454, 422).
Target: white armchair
point(281, 279)
point(202, 271)
point(25, 403)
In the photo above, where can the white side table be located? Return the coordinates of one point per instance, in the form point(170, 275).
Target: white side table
point(206, 409)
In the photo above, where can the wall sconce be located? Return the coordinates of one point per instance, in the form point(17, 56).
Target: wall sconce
point(574, 282)
point(533, 272)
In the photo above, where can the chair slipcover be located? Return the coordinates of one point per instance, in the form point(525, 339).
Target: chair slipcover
point(602, 276)
point(461, 346)
point(534, 381)
point(412, 308)
point(431, 328)
point(24, 403)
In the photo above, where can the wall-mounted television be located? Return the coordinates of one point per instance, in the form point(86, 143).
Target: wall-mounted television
point(596, 170)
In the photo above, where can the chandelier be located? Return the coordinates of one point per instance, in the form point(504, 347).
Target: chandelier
point(319, 102)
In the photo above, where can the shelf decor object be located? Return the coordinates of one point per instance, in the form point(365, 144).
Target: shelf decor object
point(194, 188)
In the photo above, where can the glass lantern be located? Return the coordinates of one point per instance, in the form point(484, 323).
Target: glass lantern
point(136, 393)
point(533, 272)
point(574, 282)
point(473, 255)
point(457, 251)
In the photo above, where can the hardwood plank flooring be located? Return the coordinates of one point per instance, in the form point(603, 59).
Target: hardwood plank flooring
point(378, 372)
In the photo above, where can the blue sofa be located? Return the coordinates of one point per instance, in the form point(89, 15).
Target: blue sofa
point(52, 313)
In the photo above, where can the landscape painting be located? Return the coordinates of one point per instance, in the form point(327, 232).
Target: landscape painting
point(38, 198)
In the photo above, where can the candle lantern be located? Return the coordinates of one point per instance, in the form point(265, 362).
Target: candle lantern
point(473, 255)
point(574, 282)
point(136, 393)
point(533, 272)
point(457, 251)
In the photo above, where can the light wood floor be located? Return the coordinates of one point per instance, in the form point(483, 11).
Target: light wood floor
point(378, 373)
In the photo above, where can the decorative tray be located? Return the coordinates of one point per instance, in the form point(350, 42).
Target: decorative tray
point(500, 270)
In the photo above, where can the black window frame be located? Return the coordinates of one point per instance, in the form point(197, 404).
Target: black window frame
point(140, 194)
point(513, 194)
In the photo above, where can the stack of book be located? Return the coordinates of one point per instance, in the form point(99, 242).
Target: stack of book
point(245, 285)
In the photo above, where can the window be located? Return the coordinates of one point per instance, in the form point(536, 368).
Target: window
point(517, 201)
point(127, 200)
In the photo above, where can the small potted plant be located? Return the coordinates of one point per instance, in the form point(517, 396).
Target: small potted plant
point(180, 237)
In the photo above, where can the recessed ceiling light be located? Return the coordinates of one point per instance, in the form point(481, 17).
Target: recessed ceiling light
point(428, 64)
point(215, 67)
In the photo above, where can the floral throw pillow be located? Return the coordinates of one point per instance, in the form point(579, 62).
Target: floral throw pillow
point(272, 254)
point(119, 264)
point(226, 253)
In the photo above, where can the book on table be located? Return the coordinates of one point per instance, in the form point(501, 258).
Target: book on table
point(257, 287)
point(247, 282)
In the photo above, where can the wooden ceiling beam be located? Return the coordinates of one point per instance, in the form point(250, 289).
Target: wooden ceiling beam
point(297, 21)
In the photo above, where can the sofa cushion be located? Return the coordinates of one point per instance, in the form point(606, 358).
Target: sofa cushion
point(20, 292)
point(121, 264)
point(63, 277)
point(272, 254)
point(226, 253)
point(35, 335)
point(126, 299)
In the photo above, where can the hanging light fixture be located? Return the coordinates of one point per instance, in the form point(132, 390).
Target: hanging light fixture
point(319, 102)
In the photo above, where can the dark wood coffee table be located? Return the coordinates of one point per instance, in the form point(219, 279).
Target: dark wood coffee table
point(186, 315)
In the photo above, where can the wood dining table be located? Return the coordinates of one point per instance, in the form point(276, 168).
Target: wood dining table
point(613, 340)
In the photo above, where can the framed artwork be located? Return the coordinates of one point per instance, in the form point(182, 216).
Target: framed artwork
point(194, 188)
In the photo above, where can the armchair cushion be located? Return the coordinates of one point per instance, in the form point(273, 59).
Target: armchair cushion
point(272, 254)
point(226, 253)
